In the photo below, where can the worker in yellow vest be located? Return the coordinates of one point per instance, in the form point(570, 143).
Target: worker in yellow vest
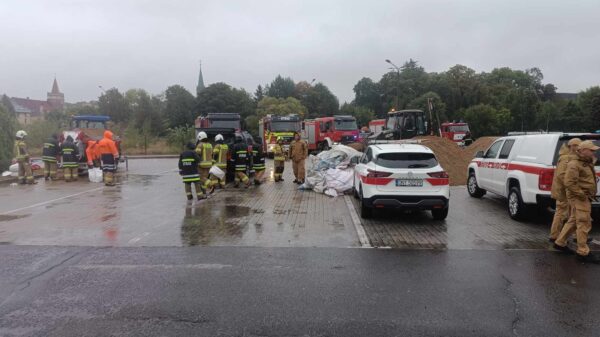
point(220, 155)
point(22, 157)
point(279, 160)
point(205, 152)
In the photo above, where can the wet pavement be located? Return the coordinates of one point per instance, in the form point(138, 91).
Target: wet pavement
point(148, 208)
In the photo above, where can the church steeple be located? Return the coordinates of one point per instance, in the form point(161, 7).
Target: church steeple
point(200, 85)
point(55, 98)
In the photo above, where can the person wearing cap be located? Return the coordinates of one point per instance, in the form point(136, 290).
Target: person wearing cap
point(561, 215)
point(278, 160)
point(581, 186)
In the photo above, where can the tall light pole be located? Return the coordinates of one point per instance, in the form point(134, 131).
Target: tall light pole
point(313, 81)
point(398, 84)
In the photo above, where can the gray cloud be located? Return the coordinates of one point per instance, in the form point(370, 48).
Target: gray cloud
point(154, 44)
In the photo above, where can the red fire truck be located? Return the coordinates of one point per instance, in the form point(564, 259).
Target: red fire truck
point(322, 133)
point(457, 132)
point(377, 125)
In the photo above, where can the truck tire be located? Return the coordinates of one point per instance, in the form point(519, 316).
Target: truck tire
point(440, 213)
point(473, 187)
point(516, 207)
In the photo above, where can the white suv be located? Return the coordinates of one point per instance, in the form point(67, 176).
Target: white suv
point(520, 168)
point(401, 176)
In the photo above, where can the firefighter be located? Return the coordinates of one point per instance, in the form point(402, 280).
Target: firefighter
point(70, 161)
point(22, 157)
point(50, 153)
point(220, 155)
point(108, 153)
point(581, 186)
point(91, 153)
point(279, 160)
point(188, 169)
point(566, 154)
point(258, 162)
point(298, 153)
point(240, 156)
point(205, 152)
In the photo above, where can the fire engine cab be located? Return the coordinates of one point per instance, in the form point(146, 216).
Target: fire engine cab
point(457, 132)
point(272, 127)
point(322, 133)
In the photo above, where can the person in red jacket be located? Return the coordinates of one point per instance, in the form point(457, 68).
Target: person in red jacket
point(107, 150)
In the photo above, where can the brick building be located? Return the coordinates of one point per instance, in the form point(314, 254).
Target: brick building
point(29, 110)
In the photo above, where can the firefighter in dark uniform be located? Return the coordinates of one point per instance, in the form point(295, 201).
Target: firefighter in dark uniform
point(70, 160)
point(50, 153)
point(279, 160)
point(188, 169)
point(240, 156)
point(258, 162)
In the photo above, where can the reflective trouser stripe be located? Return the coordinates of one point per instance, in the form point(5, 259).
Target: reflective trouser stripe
point(258, 167)
point(49, 159)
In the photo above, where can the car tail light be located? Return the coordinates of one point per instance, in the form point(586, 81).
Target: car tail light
point(441, 174)
point(545, 179)
point(377, 174)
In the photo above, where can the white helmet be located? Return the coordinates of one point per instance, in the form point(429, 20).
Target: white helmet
point(218, 137)
point(201, 135)
point(21, 134)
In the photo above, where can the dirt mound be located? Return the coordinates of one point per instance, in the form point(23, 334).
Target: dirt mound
point(452, 158)
point(481, 144)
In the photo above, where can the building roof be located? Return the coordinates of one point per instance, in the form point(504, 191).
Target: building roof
point(55, 89)
point(31, 106)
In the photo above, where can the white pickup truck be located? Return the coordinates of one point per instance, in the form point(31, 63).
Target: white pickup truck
point(521, 168)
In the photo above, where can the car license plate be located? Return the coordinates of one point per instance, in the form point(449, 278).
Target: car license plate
point(409, 182)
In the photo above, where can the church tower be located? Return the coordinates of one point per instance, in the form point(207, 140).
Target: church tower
point(200, 85)
point(56, 99)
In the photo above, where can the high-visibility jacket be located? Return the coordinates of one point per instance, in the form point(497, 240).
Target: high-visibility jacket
point(278, 154)
point(91, 151)
point(188, 166)
point(107, 145)
point(21, 153)
point(50, 150)
point(258, 158)
point(220, 153)
point(70, 154)
point(240, 155)
point(204, 151)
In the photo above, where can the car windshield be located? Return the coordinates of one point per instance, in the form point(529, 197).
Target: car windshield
point(406, 160)
point(345, 124)
point(458, 128)
point(225, 123)
point(281, 126)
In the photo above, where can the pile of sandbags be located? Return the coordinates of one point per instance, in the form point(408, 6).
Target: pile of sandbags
point(330, 172)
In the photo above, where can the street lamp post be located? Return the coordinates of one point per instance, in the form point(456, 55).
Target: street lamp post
point(398, 84)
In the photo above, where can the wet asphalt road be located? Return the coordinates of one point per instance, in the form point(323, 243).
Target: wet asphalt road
point(274, 261)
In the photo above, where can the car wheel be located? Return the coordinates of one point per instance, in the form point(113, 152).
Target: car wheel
point(366, 212)
point(516, 207)
point(473, 188)
point(440, 213)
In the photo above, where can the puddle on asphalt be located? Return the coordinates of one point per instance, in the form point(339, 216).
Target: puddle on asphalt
point(7, 217)
point(205, 225)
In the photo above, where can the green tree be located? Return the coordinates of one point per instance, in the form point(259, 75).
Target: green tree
point(112, 103)
point(251, 123)
point(220, 97)
point(81, 108)
point(259, 93)
point(7, 136)
point(439, 107)
point(368, 94)
point(320, 102)
point(280, 107)
point(180, 135)
point(281, 87)
point(589, 103)
point(485, 120)
point(179, 106)
point(146, 112)
point(362, 114)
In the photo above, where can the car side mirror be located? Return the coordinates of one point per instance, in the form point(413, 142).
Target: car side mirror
point(479, 154)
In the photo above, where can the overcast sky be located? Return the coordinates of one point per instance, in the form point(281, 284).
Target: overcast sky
point(155, 44)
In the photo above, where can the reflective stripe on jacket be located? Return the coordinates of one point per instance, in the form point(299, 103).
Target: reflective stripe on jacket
point(50, 150)
point(21, 150)
point(69, 153)
point(278, 154)
point(220, 155)
point(204, 150)
point(188, 166)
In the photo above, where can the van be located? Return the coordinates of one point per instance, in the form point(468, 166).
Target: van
point(521, 169)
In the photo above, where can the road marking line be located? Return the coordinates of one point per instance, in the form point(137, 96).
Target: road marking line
point(360, 230)
point(51, 201)
point(153, 266)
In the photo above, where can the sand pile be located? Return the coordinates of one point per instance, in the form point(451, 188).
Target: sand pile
point(481, 144)
point(452, 158)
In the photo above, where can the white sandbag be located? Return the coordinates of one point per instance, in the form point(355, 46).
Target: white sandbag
point(339, 180)
point(331, 192)
point(95, 175)
point(217, 172)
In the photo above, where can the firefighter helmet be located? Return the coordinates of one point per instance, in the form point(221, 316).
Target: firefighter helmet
point(219, 138)
point(21, 134)
point(201, 136)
